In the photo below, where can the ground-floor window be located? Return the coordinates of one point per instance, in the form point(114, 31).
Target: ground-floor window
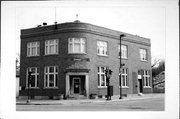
point(101, 77)
point(35, 77)
point(124, 77)
point(146, 77)
point(51, 76)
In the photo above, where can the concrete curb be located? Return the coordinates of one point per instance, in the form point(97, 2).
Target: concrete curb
point(85, 101)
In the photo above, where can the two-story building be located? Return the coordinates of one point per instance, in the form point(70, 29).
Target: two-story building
point(71, 58)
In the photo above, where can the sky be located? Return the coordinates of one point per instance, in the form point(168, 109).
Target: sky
point(145, 21)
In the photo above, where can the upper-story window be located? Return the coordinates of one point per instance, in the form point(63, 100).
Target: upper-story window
point(102, 48)
point(77, 45)
point(51, 47)
point(124, 51)
point(143, 54)
point(33, 49)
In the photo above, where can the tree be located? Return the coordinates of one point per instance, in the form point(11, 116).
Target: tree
point(159, 68)
point(17, 62)
point(155, 63)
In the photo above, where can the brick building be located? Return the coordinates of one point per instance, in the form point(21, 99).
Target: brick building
point(70, 59)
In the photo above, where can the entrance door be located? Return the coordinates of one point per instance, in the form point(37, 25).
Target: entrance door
point(140, 85)
point(77, 85)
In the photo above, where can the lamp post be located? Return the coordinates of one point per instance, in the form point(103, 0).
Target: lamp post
point(120, 88)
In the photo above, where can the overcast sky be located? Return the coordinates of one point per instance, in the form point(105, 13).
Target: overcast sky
point(146, 21)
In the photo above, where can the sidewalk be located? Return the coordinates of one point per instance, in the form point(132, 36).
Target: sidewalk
point(87, 101)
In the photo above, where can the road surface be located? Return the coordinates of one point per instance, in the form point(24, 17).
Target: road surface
point(149, 104)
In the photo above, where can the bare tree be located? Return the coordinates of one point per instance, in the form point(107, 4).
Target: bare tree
point(17, 62)
point(155, 62)
point(159, 68)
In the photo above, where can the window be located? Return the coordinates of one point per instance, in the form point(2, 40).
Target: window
point(123, 51)
point(124, 77)
point(51, 76)
point(146, 78)
point(143, 54)
point(33, 49)
point(77, 45)
point(51, 47)
point(102, 48)
point(35, 77)
point(101, 77)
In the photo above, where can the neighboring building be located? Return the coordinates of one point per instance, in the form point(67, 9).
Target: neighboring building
point(70, 59)
point(17, 83)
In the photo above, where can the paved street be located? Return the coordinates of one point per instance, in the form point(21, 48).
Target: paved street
point(154, 103)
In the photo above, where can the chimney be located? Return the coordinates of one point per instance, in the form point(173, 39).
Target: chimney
point(38, 25)
point(44, 23)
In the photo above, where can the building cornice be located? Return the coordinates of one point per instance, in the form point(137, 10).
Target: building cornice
point(81, 30)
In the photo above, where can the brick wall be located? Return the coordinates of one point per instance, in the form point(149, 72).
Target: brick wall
point(62, 60)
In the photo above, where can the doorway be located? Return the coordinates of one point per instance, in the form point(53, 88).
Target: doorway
point(76, 85)
point(140, 85)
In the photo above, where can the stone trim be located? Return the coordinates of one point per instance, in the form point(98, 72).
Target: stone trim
point(77, 73)
point(76, 70)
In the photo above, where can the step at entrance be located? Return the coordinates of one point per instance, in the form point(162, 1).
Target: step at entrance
point(76, 96)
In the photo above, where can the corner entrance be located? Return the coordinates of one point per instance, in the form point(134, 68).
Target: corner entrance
point(77, 84)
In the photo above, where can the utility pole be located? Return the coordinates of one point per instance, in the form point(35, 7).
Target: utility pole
point(120, 88)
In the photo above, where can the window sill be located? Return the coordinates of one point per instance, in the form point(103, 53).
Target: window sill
point(50, 88)
point(143, 60)
point(33, 88)
point(33, 56)
point(146, 87)
point(102, 55)
point(77, 53)
point(123, 58)
point(102, 86)
point(124, 86)
point(50, 54)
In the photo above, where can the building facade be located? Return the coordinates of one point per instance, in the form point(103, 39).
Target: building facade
point(71, 58)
